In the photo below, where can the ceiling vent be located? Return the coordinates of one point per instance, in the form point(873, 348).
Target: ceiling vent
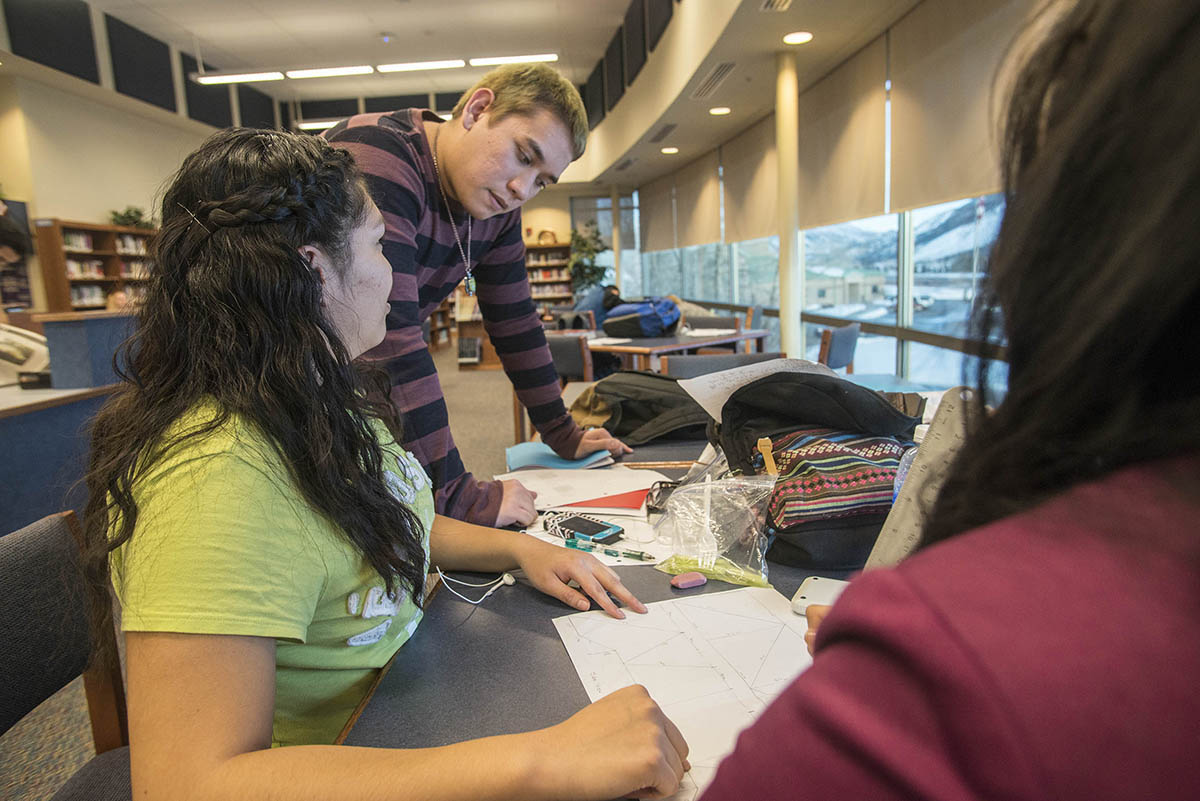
point(713, 80)
point(663, 132)
point(775, 5)
point(624, 165)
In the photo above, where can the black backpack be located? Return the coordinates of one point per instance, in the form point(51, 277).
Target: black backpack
point(638, 407)
point(817, 423)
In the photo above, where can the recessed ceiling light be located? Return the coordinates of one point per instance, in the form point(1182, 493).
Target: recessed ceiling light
point(415, 66)
point(798, 37)
point(670, 151)
point(211, 78)
point(316, 125)
point(330, 72)
point(719, 111)
point(493, 61)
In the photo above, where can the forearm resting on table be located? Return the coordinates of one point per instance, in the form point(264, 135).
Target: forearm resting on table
point(495, 767)
point(456, 545)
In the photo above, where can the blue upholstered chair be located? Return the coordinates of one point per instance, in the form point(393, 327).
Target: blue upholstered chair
point(44, 628)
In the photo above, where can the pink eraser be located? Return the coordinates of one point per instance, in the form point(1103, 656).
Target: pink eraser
point(685, 580)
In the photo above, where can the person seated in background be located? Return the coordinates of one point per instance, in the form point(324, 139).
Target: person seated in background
point(14, 242)
point(1044, 641)
point(267, 536)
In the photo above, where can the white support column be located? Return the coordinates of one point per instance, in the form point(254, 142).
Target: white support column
point(787, 147)
point(235, 108)
point(103, 54)
point(904, 288)
point(5, 43)
point(615, 196)
point(177, 79)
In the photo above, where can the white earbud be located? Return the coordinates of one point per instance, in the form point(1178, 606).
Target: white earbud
point(505, 580)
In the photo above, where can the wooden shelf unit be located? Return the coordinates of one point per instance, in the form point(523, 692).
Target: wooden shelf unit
point(548, 274)
point(441, 323)
point(82, 263)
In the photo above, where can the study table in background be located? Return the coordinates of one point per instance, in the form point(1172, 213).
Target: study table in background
point(642, 350)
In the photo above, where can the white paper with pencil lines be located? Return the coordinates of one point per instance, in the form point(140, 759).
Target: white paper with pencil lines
point(712, 662)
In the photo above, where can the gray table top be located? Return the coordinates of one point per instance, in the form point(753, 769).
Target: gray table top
point(499, 668)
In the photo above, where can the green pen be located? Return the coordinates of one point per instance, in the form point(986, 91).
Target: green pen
point(584, 545)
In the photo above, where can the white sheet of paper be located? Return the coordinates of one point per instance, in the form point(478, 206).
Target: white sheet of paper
point(712, 390)
point(709, 332)
point(609, 341)
point(559, 487)
point(712, 662)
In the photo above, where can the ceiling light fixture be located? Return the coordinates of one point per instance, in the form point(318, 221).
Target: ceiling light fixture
point(414, 66)
point(209, 78)
point(330, 72)
point(316, 125)
point(719, 111)
point(497, 60)
point(798, 37)
point(670, 151)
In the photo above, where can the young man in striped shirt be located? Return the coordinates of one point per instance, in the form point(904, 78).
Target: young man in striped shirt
point(451, 193)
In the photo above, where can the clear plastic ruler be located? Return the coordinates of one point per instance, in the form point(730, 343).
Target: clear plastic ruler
point(901, 531)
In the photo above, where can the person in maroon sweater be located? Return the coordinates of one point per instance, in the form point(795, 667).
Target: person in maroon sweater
point(451, 193)
point(1044, 641)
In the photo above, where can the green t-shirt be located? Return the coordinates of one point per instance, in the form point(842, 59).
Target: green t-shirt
point(225, 544)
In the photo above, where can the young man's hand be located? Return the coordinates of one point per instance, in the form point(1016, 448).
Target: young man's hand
point(516, 504)
point(597, 439)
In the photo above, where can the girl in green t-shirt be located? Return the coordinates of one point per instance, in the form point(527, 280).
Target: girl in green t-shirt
point(268, 538)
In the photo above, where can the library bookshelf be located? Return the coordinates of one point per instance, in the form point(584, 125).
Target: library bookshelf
point(84, 263)
point(549, 277)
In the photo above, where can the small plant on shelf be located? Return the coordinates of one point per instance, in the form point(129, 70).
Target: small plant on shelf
point(586, 245)
point(132, 217)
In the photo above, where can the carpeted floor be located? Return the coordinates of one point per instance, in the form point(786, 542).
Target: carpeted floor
point(49, 744)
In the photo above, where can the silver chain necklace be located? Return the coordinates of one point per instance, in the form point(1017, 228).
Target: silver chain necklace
point(469, 281)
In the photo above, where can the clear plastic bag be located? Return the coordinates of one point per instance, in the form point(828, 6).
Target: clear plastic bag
point(716, 528)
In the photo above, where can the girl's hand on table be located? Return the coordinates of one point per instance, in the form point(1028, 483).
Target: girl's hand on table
point(633, 749)
point(549, 568)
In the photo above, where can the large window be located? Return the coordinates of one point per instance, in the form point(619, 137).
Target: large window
point(599, 211)
point(851, 272)
point(951, 246)
point(756, 266)
point(850, 269)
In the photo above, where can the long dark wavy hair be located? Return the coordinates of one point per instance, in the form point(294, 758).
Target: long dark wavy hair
point(1096, 271)
point(232, 315)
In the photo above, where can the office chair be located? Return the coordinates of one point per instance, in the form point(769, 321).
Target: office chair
point(572, 361)
point(44, 627)
point(837, 347)
point(690, 366)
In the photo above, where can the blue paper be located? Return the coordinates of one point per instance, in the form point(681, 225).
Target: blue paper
point(539, 454)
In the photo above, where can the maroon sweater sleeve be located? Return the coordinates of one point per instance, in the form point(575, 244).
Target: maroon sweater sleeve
point(894, 707)
point(516, 332)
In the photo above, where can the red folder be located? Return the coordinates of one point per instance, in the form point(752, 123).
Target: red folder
point(625, 500)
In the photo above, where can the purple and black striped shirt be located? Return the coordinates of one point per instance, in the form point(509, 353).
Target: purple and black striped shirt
point(393, 153)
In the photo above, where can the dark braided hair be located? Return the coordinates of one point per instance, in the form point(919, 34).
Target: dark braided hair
point(232, 316)
point(1095, 268)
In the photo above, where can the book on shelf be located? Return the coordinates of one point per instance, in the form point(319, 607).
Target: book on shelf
point(469, 350)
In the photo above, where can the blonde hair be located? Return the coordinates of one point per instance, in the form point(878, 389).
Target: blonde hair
point(528, 88)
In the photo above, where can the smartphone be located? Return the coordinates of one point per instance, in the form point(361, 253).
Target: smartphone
point(586, 528)
point(816, 590)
